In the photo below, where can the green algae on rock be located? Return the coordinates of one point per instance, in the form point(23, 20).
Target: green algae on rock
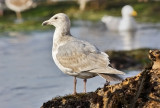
point(134, 59)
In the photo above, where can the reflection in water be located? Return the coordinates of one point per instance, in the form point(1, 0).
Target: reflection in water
point(106, 40)
point(128, 39)
point(28, 75)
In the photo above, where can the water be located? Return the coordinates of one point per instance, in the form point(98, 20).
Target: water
point(28, 75)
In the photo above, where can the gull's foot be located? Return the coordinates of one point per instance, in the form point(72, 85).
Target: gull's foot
point(74, 93)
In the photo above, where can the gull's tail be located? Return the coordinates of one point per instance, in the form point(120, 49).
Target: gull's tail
point(110, 74)
point(111, 77)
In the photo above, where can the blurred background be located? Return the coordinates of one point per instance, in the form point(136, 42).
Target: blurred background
point(28, 75)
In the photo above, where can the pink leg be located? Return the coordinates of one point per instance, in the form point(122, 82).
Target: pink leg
point(85, 81)
point(19, 16)
point(75, 83)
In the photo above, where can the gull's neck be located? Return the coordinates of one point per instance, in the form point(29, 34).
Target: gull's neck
point(61, 31)
point(59, 34)
point(127, 17)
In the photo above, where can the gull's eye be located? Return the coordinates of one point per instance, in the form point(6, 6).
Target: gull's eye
point(56, 18)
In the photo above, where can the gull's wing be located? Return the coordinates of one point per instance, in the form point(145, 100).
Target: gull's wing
point(80, 56)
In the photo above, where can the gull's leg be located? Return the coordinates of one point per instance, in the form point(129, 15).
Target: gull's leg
point(75, 83)
point(85, 81)
point(19, 16)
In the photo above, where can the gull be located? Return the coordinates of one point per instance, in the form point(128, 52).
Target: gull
point(76, 57)
point(124, 23)
point(18, 6)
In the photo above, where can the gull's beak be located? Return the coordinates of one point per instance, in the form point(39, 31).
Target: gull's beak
point(45, 23)
point(134, 13)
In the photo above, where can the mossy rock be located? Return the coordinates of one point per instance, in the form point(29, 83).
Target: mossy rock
point(141, 91)
point(133, 59)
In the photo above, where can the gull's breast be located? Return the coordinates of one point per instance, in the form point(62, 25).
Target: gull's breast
point(61, 67)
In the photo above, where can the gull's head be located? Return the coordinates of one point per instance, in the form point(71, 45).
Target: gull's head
point(58, 20)
point(128, 10)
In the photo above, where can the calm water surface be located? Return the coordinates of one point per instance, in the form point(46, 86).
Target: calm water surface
point(28, 75)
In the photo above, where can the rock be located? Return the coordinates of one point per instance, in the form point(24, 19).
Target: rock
point(141, 91)
point(134, 59)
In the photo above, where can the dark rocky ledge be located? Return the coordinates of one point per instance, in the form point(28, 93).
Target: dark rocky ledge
point(141, 91)
point(130, 60)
